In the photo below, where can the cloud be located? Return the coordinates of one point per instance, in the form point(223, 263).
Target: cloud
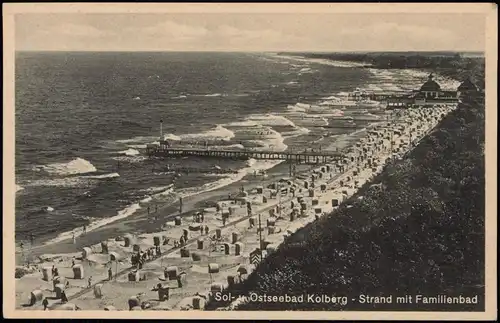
point(75, 30)
point(389, 30)
point(174, 29)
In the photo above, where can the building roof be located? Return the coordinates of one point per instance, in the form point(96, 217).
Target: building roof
point(430, 85)
point(467, 85)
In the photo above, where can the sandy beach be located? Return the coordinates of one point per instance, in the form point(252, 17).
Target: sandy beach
point(208, 260)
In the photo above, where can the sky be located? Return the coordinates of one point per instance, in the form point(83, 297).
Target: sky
point(249, 32)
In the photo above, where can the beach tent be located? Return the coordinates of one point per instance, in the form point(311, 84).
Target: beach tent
point(60, 280)
point(35, 296)
point(213, 268)
point(235, 236)
point(195, 256)
point(136, 248)
point(171, 273)
point(133, 302)
point(177, 220)
point(78, 272)
point(271, 222)
point(238, 248)
point(200, 243)
point(128, 239)
point(242, 269)
point(185, 253)
point(86, 252)
point(156, 240)
point(271, 230)
point(114, 256)
point(59, 288)
point(227, 248)
point(47, 273)
point(104, 247)
point(216, 287)
point(195, 227)
point(98, 290)
point(232, 280)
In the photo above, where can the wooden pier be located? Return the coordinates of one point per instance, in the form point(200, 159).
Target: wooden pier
point(298, 157)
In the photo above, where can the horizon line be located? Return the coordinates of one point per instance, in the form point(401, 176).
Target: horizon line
point(251, 51)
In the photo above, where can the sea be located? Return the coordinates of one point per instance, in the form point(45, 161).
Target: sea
point(83, 120)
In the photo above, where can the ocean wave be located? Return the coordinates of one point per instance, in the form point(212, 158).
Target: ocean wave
point(129, 152)
point(271, 120)
point(76, 166)
point(292, 83)
point(179, 97)
point(145, 200)
point(111, 175)
point(137, 140)
point(126, 212)
point(171, 136)
point(218, 133)
point(213, 95)
point(130, 159)
point(59, 182)
point(306, 119)
point(245, 123)
point(321, 61)
point(19, 188)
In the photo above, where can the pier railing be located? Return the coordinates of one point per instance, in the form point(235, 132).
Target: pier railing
point(304, 156)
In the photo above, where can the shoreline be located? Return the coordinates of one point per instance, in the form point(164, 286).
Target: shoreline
point(171, 256)
point(138, 222)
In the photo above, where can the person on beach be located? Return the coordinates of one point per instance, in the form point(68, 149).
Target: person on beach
point(110, 274)
point(84, 229)
point(74, 238)
point(53, 270)
point(32, 239)
point(73, 262)
point(64, 298)
point(90, 282)
point(45, 304)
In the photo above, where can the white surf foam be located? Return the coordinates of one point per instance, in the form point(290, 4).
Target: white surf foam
point(218, 133)
point(129, 152)
point(126, 212)
point(171, 136)
point(19, 188)
point(111, 175)
point(76, 166)
point(146, 200)
point(130, 159)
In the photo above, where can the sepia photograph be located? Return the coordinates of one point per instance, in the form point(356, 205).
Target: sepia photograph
point(323, 161)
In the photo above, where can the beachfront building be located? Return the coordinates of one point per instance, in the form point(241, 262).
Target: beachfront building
point(429, 94)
